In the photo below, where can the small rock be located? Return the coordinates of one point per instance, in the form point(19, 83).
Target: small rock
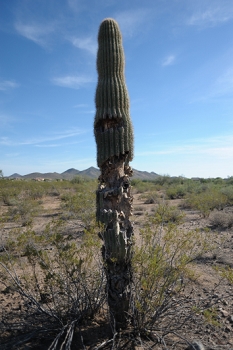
point(224, 313)
point(228, 329)
point(215, 296)
point(230, 318)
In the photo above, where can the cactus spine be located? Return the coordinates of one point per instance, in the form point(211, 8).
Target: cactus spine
point(114, 139)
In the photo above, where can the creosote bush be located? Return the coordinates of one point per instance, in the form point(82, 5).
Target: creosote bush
point(162, 269)
point(79, 206)
point(23, 211)
point(60, 282)
point(165, 214)
point(206, 201)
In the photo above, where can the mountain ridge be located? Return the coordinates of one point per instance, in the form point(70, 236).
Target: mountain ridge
point(69, 174)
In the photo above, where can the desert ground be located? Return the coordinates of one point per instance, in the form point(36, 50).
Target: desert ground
point(44, 204)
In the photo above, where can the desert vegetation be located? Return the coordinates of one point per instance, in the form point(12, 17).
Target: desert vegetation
point(52, 280)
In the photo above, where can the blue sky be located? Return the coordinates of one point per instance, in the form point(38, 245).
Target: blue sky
point(179, 74)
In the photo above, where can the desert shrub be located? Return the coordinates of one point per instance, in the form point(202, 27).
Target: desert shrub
point(166, 214)
point(9, 192)
point(161, 269)
point(221, 219)
point(23, 211)
point(13, 190)
point(229, 180)
point(228, 192)
point(8, 198)
point(60, 284)
point(79, 206)
point(34, 190)
point(150, 197)
point(174, 192)
point(162, 180)
point(167, 180)
point(78, 180)
point(176, 187)
point(54, 192)
point(140, 186)
point(205, 202)
point(134, 182)
point(218, 181)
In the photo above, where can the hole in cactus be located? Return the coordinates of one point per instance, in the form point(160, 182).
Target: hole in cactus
point(108, 123)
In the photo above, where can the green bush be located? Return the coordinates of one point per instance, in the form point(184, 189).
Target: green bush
point(228, 192)
point(205, 202)
point(150, 197)
point(174, 192)
point(229, 180)
point(23, 211)
point(79, 206)
point(140, 186)
point(78, 180)
point(161, 266)
point(166, 214)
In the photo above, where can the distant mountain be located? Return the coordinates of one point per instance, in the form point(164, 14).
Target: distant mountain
point(52, 176)
point(71, 171)
point(70, 174)
point(91, 172)
point(15, 176)
point(144, 175)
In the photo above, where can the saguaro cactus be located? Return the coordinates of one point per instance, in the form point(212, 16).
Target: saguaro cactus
point(114, 139)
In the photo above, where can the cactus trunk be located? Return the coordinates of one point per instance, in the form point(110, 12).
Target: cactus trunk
point(114, 139)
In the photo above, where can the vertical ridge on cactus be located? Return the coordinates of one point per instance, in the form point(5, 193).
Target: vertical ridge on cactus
point(112, 100)
point(114, 139)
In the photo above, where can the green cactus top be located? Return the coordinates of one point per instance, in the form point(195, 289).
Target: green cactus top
point(112, 120)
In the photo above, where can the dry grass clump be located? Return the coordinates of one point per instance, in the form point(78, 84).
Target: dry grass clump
point(59, 284)
point(221, 219)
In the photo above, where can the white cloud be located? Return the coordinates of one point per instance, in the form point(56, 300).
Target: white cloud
point(8, 84)
point(38, 33)
point(36, 141)
point(71, 81)
point(53, 145)
point(169, 60)
point(216, 12)
point(131, 21)
point(81, 105)
point(218, 146)
point(87, 44)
